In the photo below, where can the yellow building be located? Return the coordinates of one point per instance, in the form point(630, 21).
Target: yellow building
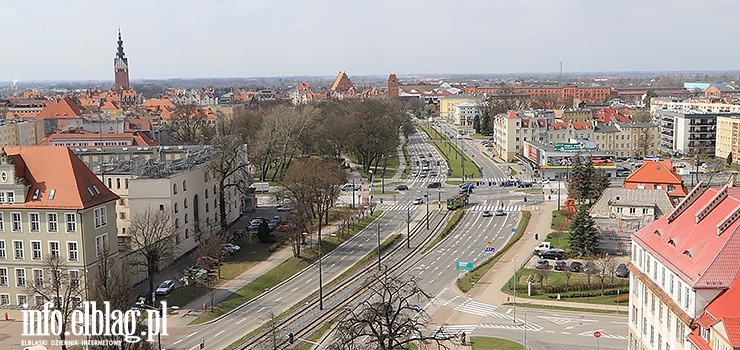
point(448, 106)
point(627, 139)
point(728, 135)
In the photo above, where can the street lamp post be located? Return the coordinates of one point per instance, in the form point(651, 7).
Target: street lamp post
point(379, 267)
point(516, 280)
point(439, 199)
point(353, 193)
point(408, 227)
point(426, 199)
point(321, 287)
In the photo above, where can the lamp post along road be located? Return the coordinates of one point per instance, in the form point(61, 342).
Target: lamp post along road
point(321, 287)
point(353, 193)
point(408, 228)
point(426, 199)
point(516, 280)
point(379, 266)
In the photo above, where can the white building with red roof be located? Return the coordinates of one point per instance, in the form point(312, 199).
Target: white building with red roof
point(680, 264)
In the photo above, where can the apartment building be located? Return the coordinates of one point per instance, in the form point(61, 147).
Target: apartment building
point(680, 264)
point(627, 139)
point(728, 137)
point(465, 113)
point(167, 178)
point(714, 106)
point(448, 106)
point(510, 131)
point(51, 204)
point(687, 132)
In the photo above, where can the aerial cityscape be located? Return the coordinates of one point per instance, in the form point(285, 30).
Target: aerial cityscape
point(394, 175)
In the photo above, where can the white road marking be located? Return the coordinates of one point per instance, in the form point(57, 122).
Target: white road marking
point(240, 321)
point(564, 332)
point(177, 342)
point(550, 331)
point(278, 299)
point(260, 310)
point(217, 334)
point(296, 288)
point(191, 334)
point(431, 281)
point(342, 258)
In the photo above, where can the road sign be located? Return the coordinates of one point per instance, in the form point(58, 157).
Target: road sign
point(489, 250)
point(513, 230)
point(568, 147)
point(461, 265)
point(416, 307)
point(597, 334)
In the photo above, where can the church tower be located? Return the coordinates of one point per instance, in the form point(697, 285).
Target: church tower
point(392, 86)
point(120, 65)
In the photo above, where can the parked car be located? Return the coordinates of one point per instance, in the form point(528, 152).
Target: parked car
point(560, 265)
point(545, 181)
point(575, 266)
point(287, 227)
point(417, 201)
point(285, 207)
point(500, 212)
point(434, 185)
point(487, 213)
point(543, 264)
point(433, 173)
point(555, 254)
point(165, 287)
point(233, 247)
point(622, 271)
point(402, 187)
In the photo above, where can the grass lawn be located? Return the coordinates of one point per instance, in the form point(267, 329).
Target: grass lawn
point(559, 240)
point(558, 278)
point(448, 228)
point(451, 152)
point(486, 343)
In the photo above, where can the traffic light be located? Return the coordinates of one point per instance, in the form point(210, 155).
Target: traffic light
point(291, 338)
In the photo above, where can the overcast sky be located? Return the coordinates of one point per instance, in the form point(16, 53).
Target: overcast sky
point(76, 39)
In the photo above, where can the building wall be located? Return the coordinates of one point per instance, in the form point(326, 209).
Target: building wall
point(448, 104)
point(728, 137)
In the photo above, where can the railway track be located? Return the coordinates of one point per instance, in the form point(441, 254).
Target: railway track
point(342, 294)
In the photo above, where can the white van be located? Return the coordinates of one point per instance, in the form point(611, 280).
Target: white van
point(262, 187)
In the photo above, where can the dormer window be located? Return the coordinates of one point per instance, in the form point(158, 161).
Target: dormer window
point(90, 191)
point(52, 193)
point(4, 176)
point(36, 193)
point(657, 233)
point(96, 189)
point(687, 252)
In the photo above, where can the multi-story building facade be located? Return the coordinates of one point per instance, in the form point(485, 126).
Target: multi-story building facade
point(574, 115)
point(466, 112)
point(687, 132)
point(680, 264)
point(510, 131)
point(728, 137)
point(627, 139)
point(448, 106)
point(51, 204)
point(691, 106)
point(554, 94)
point(168, 178)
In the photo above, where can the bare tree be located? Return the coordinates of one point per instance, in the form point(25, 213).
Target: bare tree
point(210, 245)
point(568, 274)
point(389, 318)
point(313, 185)
point(152, 241)
point(111, 284)
point(189, 125)
point(229, 167)
point(57, 283)
point(590, 269)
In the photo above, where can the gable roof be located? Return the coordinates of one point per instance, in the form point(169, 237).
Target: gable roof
point(59, 169)
point(653, 173)
point(64, 108)
point(695, 249)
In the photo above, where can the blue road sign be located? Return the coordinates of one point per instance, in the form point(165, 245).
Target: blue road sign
point(489, 250)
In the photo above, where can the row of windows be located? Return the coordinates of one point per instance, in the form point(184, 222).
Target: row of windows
point(37, 275)
point(118, 183)
point(39, 300)
point(52, 221)
point(663, 277)
point(37, 253)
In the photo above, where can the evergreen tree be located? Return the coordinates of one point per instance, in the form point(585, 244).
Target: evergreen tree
point(476, 124)
point(584, 237)
point(586, 183)
point(485, 124)
point(729, 159)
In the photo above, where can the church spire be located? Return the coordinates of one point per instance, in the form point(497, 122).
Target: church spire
point(119, 53)
point(120, 66)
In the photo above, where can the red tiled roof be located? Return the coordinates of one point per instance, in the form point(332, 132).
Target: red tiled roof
point(58, 169)
point(732, 328)
point(582, 125)
point(653, 173)
point(694, 250)
point(724, 309)
point(64, 108)
point(512, 115)
point(697, 340)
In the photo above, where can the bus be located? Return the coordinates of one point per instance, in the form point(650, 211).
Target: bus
point(457, 202)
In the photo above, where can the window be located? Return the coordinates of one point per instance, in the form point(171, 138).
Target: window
point(20, 277)
point(17, 226)
point(632, 210)
point(122, 215)
point(177, 223)
point(71, 222)
point(4, 276)
point(33, 219)
point(4, 299)
point(206, 193)
point(72, 251)
point(38, 277)
point(36, 250)
point(39, 300)
point(18, 248)
point(52, 224)
point(186, 218)
point(3, 254)
point(11, 197)
point(184, 187)
point(74, 279)
point(22, 300)
point(118, 183)
point(100, 244)
point(2, 223)
point(174, 188)
point(176, 210)
point(185, 203)
point(110, 184)
point(100, 217)
point(54, 249)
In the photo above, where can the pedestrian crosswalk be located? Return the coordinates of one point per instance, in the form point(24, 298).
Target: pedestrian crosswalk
point(473, 307)
point(519, 325)
point(603, 335)
point(510, 208)
point(399, 207)
point(449, 331)
point(478, 207)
